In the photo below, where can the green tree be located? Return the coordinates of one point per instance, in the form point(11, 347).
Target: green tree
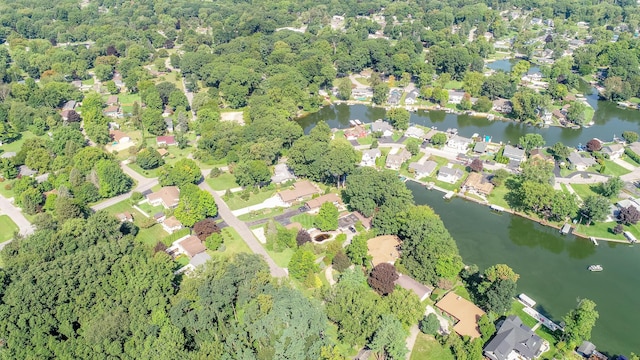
point(531, 141)
point(327, 218)
point(251, 173)
point(630, 136)
point(112, 180)
point(357, 250)
point(389, 339)
point(579, 322)
point(153, 121)
point(380, 93)
point(38, 159)
point(399, 118)
point(483, 104)
point(472, 82)
point(302, 263)
point(611, 187)
point(595, 208)
point(430, 324)
point(194, 205)
point(560, 151)
point(177, 99)
point(439, 139)
point(344, 88)
point(576, 114)
point(149, 158)
point(487, 327)
point(184, 171)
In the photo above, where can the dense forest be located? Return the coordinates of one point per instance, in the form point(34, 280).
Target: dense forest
point(82, 286)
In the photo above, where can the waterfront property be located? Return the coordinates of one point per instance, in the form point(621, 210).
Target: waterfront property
point(449, 175)
point(514, 340)
point(423, 170)
point(382, 127)
point(301, 190)
point(369, 157)
point(478, 183)
point(459, 143)
point(281, 174)
point(394, 161)
point(464, 311)
point(514, 154)
point(614, 151)
point(581, 163)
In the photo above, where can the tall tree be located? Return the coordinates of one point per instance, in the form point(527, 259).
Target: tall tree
point(579, 322)
point(389, 339)
point(327, 218)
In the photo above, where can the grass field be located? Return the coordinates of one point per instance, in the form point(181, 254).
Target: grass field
point(236, 202)
point(16, 145)
point(8, 228)
point(611, 168)
point(151, 173)
point(223, 182)
point(261, 214)
point(428, 348)
point(281, 258)
point(233, 244)
point(149, 236)
point(584, 190)
point(497, 196)
point(306, 220)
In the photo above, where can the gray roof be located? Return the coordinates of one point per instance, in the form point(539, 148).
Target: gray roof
point(577, 159)
point(456, 93)
point(200, 259)
point(25, 171)
point(609, 149)
point(413, 94)
point(373, 153)
point(480, 147)
point(586, 348)
point(380, 125)
point(460, 139)
point(513, 335)
point(513, 153)
point(450, 171)
point(415, 132)
point(427, 168)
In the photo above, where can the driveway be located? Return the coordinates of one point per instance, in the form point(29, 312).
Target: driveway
point(270, 203)
point(284, 219)
point(16, 215)
point(243, 230)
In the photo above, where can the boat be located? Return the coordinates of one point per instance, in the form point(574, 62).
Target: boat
point(595, 268)
point(358, 122)
point(352, 122)
point(496, 208)
point(594, 241)
point(448, 195)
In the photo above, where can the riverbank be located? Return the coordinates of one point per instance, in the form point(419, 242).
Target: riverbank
point(430, 186)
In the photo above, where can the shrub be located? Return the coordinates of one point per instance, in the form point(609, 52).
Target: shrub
point(429, 324)
point(341, 262)
point(136, 196)
point(214, 241)
point(303, 237)
point(618, 229)
point(147, 222)
point(215, 172)
point(204, 228)
point(159, 247)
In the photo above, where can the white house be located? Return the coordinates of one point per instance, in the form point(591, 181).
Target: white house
point(394, 161)
point(455, 97)
point(459, 143)
point(369, 157)
point(414, 132)
point(171, 224)
point(423, 170)
point(581, 163)
point(449, 175)
point(614, 151)
point(382, 126)
point(412, 97)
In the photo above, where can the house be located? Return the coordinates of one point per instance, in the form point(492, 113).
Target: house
point(580, 162)
point(117, 79)
point(394, 161)
point(407, 282)
point(414, 132)
point(369, 157)
point(124, 217)
point(625, 203)
point(190, 246)
point(464, 311)
point(159, 217)
point(69, 105)
point(513, 153)
point(559, 114)
point(112, 100)
point(503, 106)
point(514, 340)
point(301, 190)
point(355, 133)
point(423, 170)
point(586, 349)
point(459, 143)
point(394, 99)
point(282, 173)
point(412, 97)
point(112, 111)
point(171, 225)
point(167, 196)
point(166, 140)
point(23, 170)
point(382, 126)
point(429, 134)
point(480, 147)
point(614, 151)
point(449, 175)
point(478, 183)
point(169, 124)
point(119, 136)
point(539, 154)
point(455, 97)
point(314, 205)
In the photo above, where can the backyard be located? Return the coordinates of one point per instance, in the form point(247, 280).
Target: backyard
point(223, 181)
point(428, 348)
point(236, 202)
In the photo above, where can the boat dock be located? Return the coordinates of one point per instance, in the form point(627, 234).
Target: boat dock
point(448, 195)
point(496, 208)
point(594, 241)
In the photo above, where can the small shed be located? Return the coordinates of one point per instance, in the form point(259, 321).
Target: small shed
point(586, 349)
point(566, 229)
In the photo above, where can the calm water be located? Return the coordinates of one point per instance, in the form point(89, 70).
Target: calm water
point(507, 64)
point(553, 268)
point(609, 121)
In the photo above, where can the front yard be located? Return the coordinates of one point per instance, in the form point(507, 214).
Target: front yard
point(236, 202)
point(428, 348)
point(8, 228)
point(224, 181)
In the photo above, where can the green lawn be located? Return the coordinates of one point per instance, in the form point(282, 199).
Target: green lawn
point(497, 196)
point(367, 140)
point(152, 235)
point(151, 173)
point(233, 244)
point(453, 84)
point(223, 182)
point(149, 236)
point(306, 220)
point(428, 348)
point(613, 169)
point(516, 309)
point(630, 161)
point(8, 228)
point(281, 258)
point(235, 202)
point(261, 214)
point(584, 190)
point(16, 145)
point(89, 81)
point(151, 210)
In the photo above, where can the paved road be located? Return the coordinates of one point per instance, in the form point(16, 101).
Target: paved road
point(244, 231)
point(144, 184)
point(15, 214)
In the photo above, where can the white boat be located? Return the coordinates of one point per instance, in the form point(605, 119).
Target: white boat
point(594, 241)
point(358, 122)
point(448, 195)
point(352, 122)
point(595, 268)
point(496, 208)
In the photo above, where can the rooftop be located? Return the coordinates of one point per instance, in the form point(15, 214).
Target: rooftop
point(192, 246)
point(317, 202)
point(169, 195)
point(300, 190)
point(465, 311)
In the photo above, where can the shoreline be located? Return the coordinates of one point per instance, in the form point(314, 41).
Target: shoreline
point(513, 212)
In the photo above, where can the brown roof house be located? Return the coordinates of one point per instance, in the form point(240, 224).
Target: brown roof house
point(190, 246)
point(394, 161)
point(355, 133)
point(171, 225)
point(167, 196)
point(314, 205)
point(119, 136)
point(478, 183)
point(112, 111)
point(301, 190)
point(464, 311)
point(112, 100)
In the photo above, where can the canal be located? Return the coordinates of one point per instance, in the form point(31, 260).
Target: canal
point(553, 268)
point(609, 120)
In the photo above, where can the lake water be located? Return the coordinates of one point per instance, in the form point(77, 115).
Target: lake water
point(553, 268)
point(506, 65)
point(609, 120)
